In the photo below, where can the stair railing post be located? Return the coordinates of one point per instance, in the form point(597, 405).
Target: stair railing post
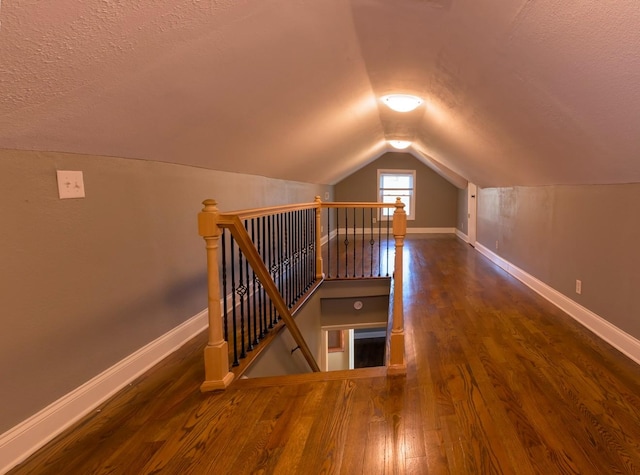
point(319, 269)
point(216, 354)
point(397, 364)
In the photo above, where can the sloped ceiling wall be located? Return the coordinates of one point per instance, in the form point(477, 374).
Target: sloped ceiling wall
point(516, 93)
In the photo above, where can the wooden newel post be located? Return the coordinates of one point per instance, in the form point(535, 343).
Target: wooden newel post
point(397, 364)
point(216, 354)
point(319, 269)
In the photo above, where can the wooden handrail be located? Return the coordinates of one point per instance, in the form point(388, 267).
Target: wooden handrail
point(234, 225)
point(259, 212)
point(357, 204)
point(227, 217)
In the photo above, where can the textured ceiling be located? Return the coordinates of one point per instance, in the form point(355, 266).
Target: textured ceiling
point(516, 93)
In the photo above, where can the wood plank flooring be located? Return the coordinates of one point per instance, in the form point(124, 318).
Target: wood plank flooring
point(499, 382)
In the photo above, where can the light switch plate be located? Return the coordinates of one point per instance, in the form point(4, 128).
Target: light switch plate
point(70, 184)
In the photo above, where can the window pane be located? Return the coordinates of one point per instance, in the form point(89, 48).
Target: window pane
point(396, 181)
point(389, 196)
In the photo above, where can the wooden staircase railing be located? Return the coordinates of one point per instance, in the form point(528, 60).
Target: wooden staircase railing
point(211, 225)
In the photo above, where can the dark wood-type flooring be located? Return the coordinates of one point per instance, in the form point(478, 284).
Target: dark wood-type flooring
point(498, 382)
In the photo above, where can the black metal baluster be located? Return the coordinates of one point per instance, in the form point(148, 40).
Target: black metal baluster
point(354, 242)
point(233, 305)
point(338, 242)
point(346, 242)
point(280, 257)
point(259, 246)
point(286, 275)
point(363, 242)
point(311, 246)
point(388, 221)
point(291, 255)
point(328, 266)
point(254, 297)
point(262, 299)
point(371, 240)
point(272, 267)
point(380, 241)
point(301, 255)
point(297, 232)
point(242, 290)
point(307, 245)
point(270, 245)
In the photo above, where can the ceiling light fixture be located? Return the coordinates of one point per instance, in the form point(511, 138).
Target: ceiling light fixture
point(402, 102)
point(399, 144)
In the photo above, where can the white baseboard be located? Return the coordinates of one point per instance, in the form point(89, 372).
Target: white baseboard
point(431, 230)
point(367, 231)
point(22, 440)
point(462, 235)
point(624, 342)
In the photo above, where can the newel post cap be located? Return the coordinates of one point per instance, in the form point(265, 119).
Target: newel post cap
point(208, 219)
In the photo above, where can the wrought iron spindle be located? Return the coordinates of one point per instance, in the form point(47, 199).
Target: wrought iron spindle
point(362, 242)
point(298, 231)
point(272, 253)
point(311, 236)
point(233, 304)
point(279, 255)
point(290, 259)
point(310, 271)
point(338, 242)
point(371, 240)
point(354, 242)
point(346, 243)
point(380, 241)
point(388, 221)
point(242, 290)
point(328, 266)
point(261, 299)
point(254, 281)
point(302, 254)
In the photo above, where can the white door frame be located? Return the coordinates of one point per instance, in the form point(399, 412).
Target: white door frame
point(472, 209)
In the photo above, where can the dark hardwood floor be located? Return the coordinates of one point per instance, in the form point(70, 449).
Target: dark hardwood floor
point(498, 382)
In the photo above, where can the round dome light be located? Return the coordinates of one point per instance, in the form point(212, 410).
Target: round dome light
point(399, 144)
point(402, 102)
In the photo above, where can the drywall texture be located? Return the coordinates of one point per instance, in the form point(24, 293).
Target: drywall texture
point(436, 198)
point(86, 282)
point(463, 210)
point(562, 233)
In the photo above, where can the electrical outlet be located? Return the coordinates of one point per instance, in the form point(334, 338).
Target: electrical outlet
point(321, 229)
point(375, 220)
point(326, 195)
point(497, 245)
point(578, 287)
point(70, 184)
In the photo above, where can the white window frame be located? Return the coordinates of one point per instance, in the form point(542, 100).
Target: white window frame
point(404, 193)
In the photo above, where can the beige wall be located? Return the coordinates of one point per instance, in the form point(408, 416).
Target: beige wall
point(436, 198)
point(563, 233)
point(87, 282)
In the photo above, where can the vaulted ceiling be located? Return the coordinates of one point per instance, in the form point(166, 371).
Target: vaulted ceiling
point(516, 92)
